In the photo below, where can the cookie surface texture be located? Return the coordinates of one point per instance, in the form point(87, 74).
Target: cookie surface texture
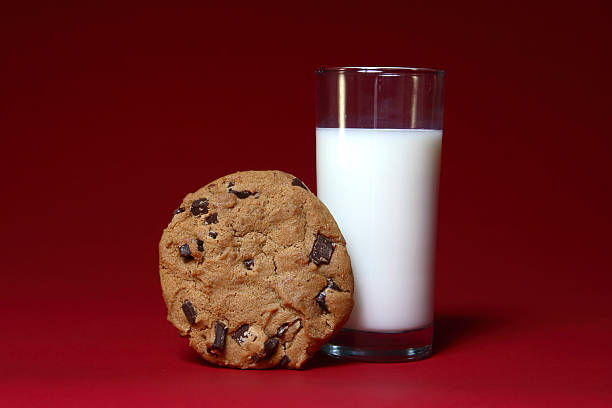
point(254, 270)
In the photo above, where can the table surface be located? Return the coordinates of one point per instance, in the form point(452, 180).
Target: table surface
point(93, 342)
point(110, 113)
point(92, 346)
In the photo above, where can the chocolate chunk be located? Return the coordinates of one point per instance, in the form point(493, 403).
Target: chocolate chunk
point(322, 250)
point(249, 263)
point(240, 334)
point(270, 347)
point(332, 285)
point(284, 361)
point(212, 234)
point(185, 251)
point(230, 185)
point(219, 342)
point(211, 219)
point(190, 312)
point(199, 206)
point(297, 182)
point(178, 211)
point(282, 329)
point(320, 299)
point(241, 194)
point(200, 245)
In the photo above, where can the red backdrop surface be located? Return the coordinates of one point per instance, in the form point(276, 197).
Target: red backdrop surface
point(110, 113)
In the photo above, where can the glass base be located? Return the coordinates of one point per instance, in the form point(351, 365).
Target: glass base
point(380, 347)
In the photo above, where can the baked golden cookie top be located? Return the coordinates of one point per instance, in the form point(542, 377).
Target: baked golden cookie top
point(254, 270)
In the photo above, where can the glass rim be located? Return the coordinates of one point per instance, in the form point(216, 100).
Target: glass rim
point(380, 70)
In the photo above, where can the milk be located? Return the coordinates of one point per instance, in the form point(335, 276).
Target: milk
point(381, 187)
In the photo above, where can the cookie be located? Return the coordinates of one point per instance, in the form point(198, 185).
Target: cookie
point(254, 270)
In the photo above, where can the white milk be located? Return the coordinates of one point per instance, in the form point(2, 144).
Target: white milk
point(381, 187)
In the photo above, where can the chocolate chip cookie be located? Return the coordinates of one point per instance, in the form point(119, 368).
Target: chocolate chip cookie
point(254, 270)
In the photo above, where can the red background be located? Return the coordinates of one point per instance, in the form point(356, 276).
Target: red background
point(110, 113)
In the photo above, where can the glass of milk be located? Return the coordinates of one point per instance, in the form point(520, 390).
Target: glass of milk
point(379, 135)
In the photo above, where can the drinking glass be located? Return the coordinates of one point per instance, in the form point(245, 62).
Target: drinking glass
point(379, 137)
